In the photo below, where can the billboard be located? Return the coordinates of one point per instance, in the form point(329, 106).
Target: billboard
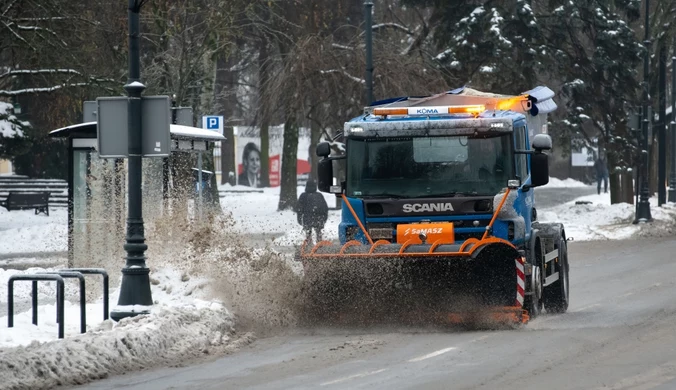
point(247, 155)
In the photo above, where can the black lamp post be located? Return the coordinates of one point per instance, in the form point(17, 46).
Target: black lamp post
point(643, 207)
point(672, 171)
point(135, 289)
point(368, 6)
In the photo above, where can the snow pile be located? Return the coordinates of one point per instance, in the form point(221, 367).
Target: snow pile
point(23, 231)
point(167, 336)
point(182, 323)
point(593, 218)
point(566, 183)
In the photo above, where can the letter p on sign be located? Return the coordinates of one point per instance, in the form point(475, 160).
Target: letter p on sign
point(213, 123)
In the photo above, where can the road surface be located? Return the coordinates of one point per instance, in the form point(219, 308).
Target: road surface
point(618, 334)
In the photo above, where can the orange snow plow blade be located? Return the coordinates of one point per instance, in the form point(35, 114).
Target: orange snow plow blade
point(450, 282)
point(458, 280)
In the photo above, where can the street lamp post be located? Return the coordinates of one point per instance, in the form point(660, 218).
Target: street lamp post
point(643, 208)
point(368, 6)
point(672, 170)
point(135, 288)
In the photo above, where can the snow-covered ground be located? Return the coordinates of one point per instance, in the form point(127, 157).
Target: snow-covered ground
point(257, 213)
point(23, 231)
point(566, 183)
point(592, 217)
point(193, 311)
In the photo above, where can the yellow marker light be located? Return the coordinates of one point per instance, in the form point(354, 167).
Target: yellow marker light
point(432, 110)
point(390, 111)
point(470, 109)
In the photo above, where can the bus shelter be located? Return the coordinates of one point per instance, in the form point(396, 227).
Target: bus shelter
point(97, 189)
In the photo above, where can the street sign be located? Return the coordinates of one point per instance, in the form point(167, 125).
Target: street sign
point(112, 126)
point(156, 117)
point(213, 122)
point(89, 111)
point(184, 116)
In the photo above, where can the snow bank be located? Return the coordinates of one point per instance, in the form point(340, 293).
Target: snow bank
point(23, 231)
point(182, 323)
point(167, 336)
point(592, 217)
point(566, 183)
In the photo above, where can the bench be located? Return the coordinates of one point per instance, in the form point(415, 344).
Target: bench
point(27, 200)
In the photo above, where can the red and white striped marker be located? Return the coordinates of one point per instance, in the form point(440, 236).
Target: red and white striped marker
point(520, 281)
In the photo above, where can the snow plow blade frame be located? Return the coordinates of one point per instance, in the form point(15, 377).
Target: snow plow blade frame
point(469, 249)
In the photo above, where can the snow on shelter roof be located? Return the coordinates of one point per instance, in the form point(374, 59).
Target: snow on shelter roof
point(176, 131)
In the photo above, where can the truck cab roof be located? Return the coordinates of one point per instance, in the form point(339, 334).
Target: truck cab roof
point(464, 110)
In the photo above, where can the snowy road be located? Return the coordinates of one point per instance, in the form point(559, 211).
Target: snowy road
point(617, 334)
point(550, 197)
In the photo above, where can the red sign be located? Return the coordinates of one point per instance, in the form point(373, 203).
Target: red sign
point(274, 170)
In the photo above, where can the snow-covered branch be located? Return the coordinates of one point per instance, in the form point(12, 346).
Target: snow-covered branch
point(343, 47)
point(353, 78)
point(26, 91)
point(38, 71)
point(18, 36)
point(396, 26)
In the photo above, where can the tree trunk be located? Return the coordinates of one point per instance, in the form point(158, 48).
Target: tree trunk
point(652, 177)
point(264, 78)
point(225, 102)
point(627, 187)
point(289, 180)
point(315, 135)
point(212, 200)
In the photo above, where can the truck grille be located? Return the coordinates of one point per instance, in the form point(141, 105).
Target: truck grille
point(381, 231)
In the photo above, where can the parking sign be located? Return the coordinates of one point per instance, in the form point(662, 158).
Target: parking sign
point(213, 123)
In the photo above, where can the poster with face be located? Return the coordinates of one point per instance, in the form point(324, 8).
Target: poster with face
point(248, 155)
point(251, 166)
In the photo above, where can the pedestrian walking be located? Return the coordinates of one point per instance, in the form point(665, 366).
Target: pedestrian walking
point(312, 211)
point(601, 175)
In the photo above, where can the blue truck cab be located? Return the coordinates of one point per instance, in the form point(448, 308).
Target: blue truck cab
point(445, 158)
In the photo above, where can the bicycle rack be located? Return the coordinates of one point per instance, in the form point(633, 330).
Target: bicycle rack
point(35, 278)
point(97, 271)
point(83, 298)
point(58, 277)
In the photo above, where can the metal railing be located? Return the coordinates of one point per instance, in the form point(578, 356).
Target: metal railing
point(58, 277)
point(35, 278)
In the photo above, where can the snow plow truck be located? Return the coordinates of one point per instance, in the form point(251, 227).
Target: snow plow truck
point(438, 210)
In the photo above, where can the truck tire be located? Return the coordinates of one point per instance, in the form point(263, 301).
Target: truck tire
point(533, 301)
point(556, 295)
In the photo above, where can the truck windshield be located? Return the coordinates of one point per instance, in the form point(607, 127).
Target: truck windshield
point(429, 166)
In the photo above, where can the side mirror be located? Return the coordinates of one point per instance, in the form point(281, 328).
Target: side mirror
point(542, 142)
point(539, 169)
point(323, 149)
point(324, 172)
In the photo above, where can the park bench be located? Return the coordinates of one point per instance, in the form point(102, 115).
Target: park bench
point(27, 200)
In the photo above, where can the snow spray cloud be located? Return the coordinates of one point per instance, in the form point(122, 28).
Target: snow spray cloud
point(260, 286)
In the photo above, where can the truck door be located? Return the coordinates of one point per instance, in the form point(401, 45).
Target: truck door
point(525, 200)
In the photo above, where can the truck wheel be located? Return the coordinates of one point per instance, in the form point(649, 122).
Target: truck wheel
point(556, 295)
point(533, 302)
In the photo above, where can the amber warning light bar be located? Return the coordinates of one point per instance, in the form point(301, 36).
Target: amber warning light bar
point(432, 110)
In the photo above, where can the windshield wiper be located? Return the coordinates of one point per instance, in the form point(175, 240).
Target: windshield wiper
point(384, 195)
point(442, 195)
